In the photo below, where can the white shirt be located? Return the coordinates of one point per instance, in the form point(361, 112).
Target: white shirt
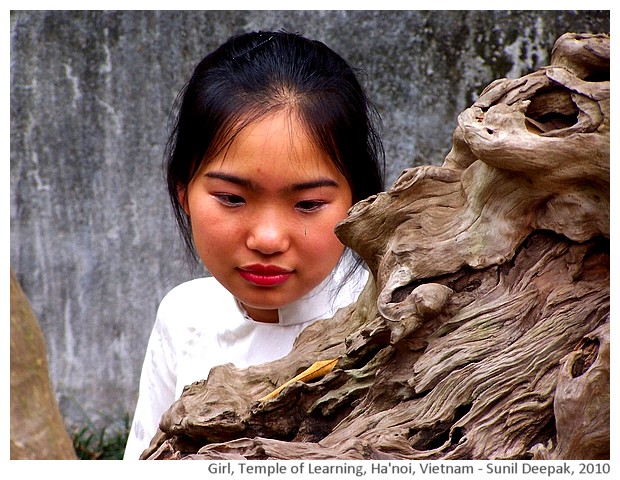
point(200, 325)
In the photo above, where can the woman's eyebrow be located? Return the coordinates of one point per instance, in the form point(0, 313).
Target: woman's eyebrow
point(243, 182)
point(319, 182)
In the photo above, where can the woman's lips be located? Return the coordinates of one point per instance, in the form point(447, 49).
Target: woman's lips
point(265, 275)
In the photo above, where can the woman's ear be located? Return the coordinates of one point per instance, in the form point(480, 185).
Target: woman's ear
point(182, 196)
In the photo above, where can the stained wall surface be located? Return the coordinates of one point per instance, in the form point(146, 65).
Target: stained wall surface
point(93, 241)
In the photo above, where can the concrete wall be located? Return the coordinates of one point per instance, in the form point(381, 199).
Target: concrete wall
point(93, 242)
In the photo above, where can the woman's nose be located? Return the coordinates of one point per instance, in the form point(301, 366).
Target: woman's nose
point(268, 234)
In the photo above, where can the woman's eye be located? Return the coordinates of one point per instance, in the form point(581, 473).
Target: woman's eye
point(230, 200)
point(309, 205)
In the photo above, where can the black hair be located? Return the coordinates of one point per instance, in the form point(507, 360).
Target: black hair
point(254, 74)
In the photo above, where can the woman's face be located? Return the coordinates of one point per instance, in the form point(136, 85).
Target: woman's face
point(263, 214)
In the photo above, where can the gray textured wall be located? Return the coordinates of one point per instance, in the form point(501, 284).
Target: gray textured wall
point(92, 239)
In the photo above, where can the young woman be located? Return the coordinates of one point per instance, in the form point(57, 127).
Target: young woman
point(274, 142)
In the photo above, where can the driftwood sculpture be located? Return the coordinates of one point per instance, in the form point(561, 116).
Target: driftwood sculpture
point(484, 330)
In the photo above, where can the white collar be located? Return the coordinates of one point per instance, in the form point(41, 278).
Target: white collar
point(339, 289)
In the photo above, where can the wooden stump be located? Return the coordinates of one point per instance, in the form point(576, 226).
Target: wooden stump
point(484, 330)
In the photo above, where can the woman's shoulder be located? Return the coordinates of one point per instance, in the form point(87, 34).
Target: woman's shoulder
point(198, 285)
point(196, 296)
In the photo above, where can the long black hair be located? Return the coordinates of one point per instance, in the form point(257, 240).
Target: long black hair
point(258, 73)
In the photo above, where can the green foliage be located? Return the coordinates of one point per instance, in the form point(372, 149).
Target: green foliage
point(102, 443)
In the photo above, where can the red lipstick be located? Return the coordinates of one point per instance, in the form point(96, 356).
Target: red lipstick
point(265, 275)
